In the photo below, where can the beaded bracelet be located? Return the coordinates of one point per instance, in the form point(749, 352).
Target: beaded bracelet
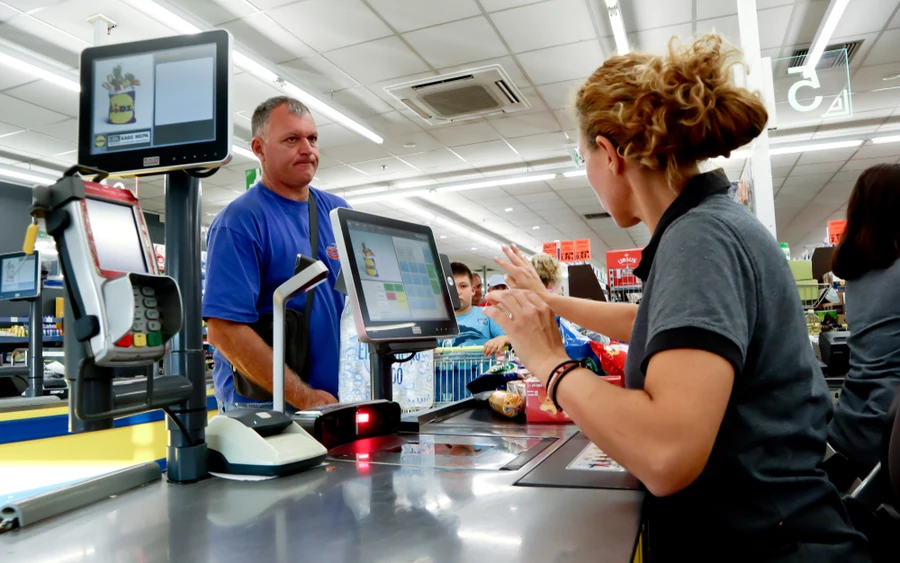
point(551, 391)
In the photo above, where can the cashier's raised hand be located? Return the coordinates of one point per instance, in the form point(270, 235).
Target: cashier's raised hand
point(520, 274)
point(322, 398)
point(531, 327)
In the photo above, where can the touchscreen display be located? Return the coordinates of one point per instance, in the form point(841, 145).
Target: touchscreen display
point(116, 237)
point(19, 274)
point(400, 275)
point(155, 99)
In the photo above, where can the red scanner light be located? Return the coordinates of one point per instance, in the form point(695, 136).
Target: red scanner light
point(362, 418)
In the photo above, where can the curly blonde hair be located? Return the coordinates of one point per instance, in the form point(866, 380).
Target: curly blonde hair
point(668, 111)
point(548, 270)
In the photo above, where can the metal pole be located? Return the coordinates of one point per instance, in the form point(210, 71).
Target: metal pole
point(35, 349)
point(186, 457)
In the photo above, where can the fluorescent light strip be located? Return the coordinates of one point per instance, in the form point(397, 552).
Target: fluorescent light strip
point(24, 176)
point(823, 35)
point(259, 70)
point(39, 72)
point(886, 140)
point(618, 27)
point(819, 147)
point(575, 173)
point(408, 193)
point(243, 152)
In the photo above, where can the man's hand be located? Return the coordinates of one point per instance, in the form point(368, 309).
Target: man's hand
point(496, 346)
point(322, 398)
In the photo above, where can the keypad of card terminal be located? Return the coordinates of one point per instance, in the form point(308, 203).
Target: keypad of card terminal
point(146, 328)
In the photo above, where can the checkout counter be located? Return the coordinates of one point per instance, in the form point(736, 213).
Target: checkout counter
point(456, 483)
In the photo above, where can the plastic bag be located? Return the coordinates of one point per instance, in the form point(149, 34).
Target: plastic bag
point(612, 357)
point(413, 381)
point(578, 346)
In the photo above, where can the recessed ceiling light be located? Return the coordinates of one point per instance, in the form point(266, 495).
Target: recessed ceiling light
point(409, 145)
point(891, 76)
point(443, 236)
point(535, 228)
point(474, 248)
point(508, 209)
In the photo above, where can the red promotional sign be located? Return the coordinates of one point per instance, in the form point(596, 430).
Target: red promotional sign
point(620, 265)
point(836, 231)
point(551, 248)
point(567, 251)
point(583, 250)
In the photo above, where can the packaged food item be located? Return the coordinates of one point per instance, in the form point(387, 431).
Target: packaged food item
point(539, 407)
point(507, 403)
point(612, 357)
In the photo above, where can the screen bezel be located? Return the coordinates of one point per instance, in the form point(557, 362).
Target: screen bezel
point(5, 296)
point(132, 162)
point(125, 198)
point(383, 331)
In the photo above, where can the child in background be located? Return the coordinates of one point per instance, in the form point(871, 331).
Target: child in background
point(475, 329)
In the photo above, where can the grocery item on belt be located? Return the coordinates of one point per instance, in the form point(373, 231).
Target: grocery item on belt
point(612, 357)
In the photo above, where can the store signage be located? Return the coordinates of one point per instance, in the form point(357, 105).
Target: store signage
point(812, 94)
point(251, 177)
point(836, 231)
point(620, 265)
point(551, 248)
point(567, 251)
point(583, 250)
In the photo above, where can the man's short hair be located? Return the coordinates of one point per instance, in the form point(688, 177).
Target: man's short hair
point(259, 124)
point(460, 269)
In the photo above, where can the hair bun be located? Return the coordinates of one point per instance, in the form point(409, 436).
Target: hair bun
point(665, 111)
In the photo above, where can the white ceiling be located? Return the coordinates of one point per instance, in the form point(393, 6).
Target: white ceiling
point(348, 51)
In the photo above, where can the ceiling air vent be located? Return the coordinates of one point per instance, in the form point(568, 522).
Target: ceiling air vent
point(832, 57)
point(603, 215)
point(461, 95)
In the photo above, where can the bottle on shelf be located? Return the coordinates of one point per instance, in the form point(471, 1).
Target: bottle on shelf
point(813, 324)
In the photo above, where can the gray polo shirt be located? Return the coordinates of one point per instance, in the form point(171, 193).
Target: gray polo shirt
point(716, 280)
point(873, 316)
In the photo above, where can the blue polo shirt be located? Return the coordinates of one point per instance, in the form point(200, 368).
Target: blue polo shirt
point(476, 328)
point(252, 246)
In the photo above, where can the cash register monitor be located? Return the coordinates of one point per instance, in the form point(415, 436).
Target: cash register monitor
point(115, 237)
point(156, 105)
point(20, 275)
point(394, 278)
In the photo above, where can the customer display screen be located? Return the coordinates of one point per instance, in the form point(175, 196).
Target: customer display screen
point(154, 99)
point(115, 237)
point(19, 274)
point(399, 274)
point(161, 103)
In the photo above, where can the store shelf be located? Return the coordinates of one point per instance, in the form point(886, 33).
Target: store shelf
point(24, 339)
point(25, 320)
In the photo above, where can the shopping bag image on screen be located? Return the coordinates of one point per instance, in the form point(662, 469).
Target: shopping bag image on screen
point(121, 96)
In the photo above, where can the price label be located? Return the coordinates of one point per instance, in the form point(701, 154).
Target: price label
point(583, 250)
point(836, 231)
point(551, 248)
point(567, 251)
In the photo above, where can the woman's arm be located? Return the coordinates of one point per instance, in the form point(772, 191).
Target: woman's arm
point(611, 319)
point(614, 320)
point(663, 433)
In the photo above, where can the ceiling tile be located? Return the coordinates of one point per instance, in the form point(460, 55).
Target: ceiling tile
point(833, 156)
point(650, 14)
point(357, 152)
point(44, 40)
point(266, 37)
point(716, 8)
point(888, 152)
point(7, 128)
point(47, 96)
point(333, 135)
point(378, 60)
point(63, 130)
point(432, 159)
point(17, 112)
point(398, 143)
point(361, 102)
point(467, 134)
point(886, 49)
point(340, 175)
point(383, 166)
point(858, 165)
point(11, 77)
point(215, 12)
point(560, 95)
point(864, 16)
point(657, 40)
point(495, 5)
point(538, 26)
point(318, 73)
point(247, 92)
point(338, 23)
point(538, 143)
point(817, 169)
point(566, 62)
point(35, 143)
point(773, 25)
point(406, 15)
point(457, 43)
point(524, 125)
point(484, 151)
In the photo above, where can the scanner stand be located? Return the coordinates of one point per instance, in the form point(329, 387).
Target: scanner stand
point(383, 356)
point(268, 442)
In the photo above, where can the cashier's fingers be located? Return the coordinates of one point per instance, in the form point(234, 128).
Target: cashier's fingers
point(508, 307)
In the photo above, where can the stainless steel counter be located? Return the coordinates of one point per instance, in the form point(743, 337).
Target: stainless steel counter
point(351, 512)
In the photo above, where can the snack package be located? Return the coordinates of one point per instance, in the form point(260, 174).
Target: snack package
point(507, 403)
point(539, 407)
point(578, 346)
point(612, 357)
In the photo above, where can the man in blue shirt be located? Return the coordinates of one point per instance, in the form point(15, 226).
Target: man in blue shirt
point(252, 247)
point(475, 328)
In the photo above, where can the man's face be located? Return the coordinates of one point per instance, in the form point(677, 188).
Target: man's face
point(290, 152)
point(477, 289)
point(464, 289)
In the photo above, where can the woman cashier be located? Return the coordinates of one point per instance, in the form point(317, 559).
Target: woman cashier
point(723, 418)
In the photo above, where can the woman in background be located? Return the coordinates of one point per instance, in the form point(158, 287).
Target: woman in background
point(866, 258)
point(549, 270)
